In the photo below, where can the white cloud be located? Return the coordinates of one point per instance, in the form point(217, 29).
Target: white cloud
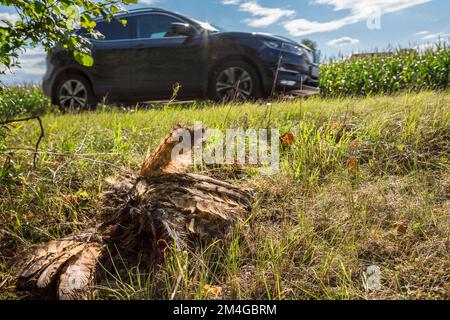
point(9, 17)
point(344, 41)
point(32, 62)
point(421, 33)
point(302, 27)
point(263, 16)
point(426, 35)
point(360, 10)
point(148, 1)
point(227, 2)
point(439, 35)
point(32, 66)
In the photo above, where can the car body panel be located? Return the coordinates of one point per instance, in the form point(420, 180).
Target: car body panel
point(112, 70)
point(159, 64)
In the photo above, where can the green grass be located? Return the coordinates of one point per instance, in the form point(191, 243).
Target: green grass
point(341, 202)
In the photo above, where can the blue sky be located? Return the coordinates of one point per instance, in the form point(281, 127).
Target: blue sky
point(338, 26)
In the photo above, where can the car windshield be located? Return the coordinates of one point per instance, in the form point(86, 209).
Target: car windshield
point(207, 26)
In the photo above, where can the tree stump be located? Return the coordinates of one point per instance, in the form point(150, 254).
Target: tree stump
point(141, 214)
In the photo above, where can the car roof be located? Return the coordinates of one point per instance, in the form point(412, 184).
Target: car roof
point(144, 10)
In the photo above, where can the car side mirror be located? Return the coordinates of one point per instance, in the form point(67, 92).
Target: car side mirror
point(182, 29)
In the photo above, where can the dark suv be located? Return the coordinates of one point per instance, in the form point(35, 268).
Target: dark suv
point(158, 49)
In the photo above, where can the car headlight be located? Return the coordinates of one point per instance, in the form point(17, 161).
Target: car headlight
point(287, 47)
point(293, 49)
point(273, 44)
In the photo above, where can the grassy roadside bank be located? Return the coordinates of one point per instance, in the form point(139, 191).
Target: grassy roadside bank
point(343, 200)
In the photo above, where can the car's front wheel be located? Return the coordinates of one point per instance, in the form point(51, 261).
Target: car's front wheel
point(235, 81)
point(74, 93)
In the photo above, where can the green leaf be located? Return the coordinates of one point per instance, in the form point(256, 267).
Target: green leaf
point(73, 16)
point(83, 59)
point(88, 24)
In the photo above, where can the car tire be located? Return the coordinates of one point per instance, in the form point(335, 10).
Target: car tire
point(74, 93)
point(235, 81)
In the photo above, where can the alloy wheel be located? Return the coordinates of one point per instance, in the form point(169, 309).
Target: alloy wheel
point(234, 83)
point(73, 95)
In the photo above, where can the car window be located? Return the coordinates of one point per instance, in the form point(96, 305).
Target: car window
point(113, 30)
point(154, 26)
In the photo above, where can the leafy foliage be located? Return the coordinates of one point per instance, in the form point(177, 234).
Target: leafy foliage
point(45, 23)
point(50, 22)
point(387, 73)
point(26, 100)
point(310, 44)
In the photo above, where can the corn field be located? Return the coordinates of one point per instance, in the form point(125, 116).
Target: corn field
point(387, 73)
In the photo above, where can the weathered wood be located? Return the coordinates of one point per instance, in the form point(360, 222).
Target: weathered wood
point(162, 204)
